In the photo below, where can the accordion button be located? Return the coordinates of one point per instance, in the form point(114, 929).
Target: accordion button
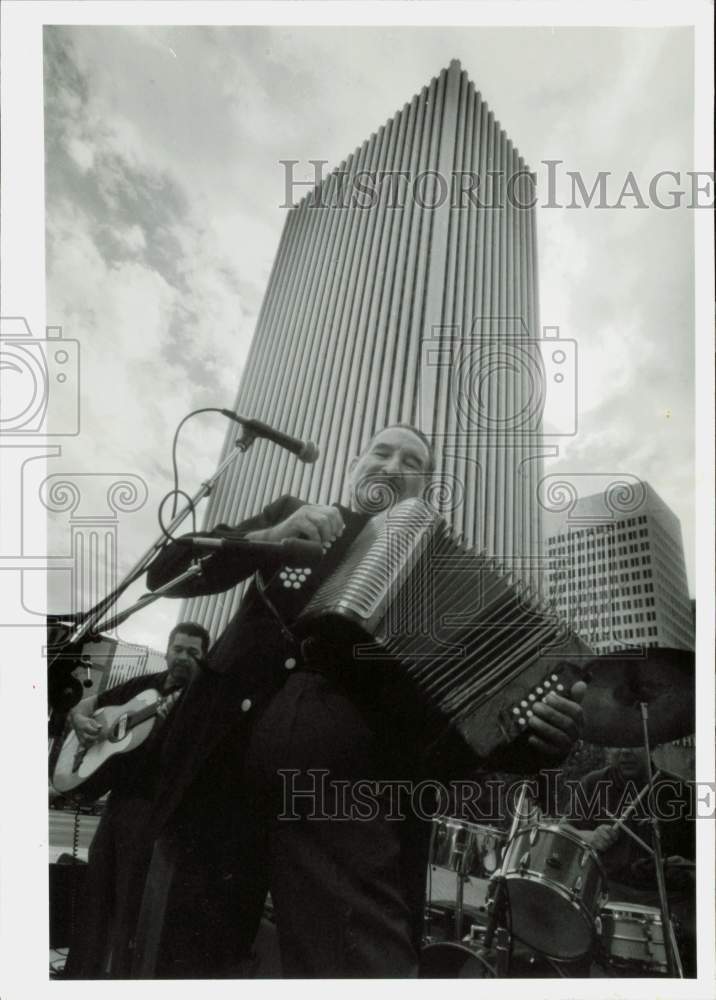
point(515, 710)
point(547, 684)
point(307, 571)
point(282, 574)
point(532, 697)
point(245, 704)
point(540, 690)
point(296, 585)
point(290, 663)
point(554, 677)
point(529, 713)
point(287, 583)
point(560, 687)
point(523, 704)
point(522, 721)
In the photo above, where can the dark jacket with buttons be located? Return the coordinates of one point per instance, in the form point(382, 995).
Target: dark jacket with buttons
point(247, 664)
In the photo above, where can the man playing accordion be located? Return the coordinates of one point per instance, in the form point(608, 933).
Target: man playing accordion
point(279, 735)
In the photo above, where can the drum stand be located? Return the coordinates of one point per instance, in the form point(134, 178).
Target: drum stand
point(673, 958)
point(459, 902)
point(497, 928)
point(498, 920)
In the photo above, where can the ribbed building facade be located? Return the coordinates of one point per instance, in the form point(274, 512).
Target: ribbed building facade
point(404, 289)
point(621, 581)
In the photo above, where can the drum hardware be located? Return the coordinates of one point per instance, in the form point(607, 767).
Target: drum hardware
point(498, 907)
point(459, 906)
point(673, 958)
point(503, 952)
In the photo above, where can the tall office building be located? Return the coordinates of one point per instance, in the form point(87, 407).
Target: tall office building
point(621, 579)
point(404, 289)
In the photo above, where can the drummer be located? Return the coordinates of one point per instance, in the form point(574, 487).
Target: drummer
point(629, 867)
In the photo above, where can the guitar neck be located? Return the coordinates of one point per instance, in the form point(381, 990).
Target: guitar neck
point(146, 713)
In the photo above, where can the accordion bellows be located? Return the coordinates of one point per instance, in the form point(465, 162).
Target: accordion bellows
point(469, 649)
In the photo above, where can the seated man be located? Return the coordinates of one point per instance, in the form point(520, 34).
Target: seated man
point(120, 851)
point(274, 713)
point(631, 876)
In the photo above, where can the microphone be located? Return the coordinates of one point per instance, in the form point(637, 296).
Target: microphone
point(290, 550)
point(306, 451)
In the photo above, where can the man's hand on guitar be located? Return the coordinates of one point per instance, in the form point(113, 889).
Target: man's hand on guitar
point(557, 722)
point(88, 730)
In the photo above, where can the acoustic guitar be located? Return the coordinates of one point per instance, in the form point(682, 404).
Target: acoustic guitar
point(83, 770)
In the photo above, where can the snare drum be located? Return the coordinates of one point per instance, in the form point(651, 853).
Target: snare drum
point(466, 848)
point(555, 889)
point(631, 938)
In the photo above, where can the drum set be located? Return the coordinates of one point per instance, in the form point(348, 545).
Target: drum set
point(540, 907)
point(533, 901)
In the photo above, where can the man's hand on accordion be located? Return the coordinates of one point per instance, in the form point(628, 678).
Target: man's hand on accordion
point(557, 722)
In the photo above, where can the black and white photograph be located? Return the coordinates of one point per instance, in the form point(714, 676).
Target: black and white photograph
point(357, 549)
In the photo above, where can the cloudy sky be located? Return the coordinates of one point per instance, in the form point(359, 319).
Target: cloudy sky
point(163, 192)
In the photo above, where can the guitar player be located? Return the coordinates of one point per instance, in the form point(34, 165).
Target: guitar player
point(119, 854)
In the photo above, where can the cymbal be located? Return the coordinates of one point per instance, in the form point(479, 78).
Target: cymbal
point(663, 678)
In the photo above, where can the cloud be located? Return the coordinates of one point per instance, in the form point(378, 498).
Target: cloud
point(148, 288)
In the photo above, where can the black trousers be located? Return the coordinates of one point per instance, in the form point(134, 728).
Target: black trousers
point(107, 911)
point(346, 875)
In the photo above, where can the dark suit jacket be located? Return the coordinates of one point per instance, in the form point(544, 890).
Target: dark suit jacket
point(247, 664)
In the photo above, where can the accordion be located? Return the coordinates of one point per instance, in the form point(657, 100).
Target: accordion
point(465, 649)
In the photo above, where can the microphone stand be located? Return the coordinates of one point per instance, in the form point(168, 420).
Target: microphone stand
point(193, 571)
point(87, 623)
point(673, 958)
point(96, 614)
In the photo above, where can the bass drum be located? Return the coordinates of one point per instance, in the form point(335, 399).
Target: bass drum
point(450, 960)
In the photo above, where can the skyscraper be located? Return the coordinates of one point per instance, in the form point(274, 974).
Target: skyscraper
point(621, 580)
point(404, 289)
